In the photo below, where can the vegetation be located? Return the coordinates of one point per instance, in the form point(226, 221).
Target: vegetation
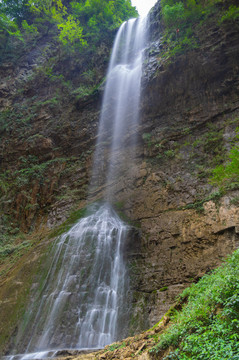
point(184, 19)
point(198, 204)
point(77, 24)
point(115, 346)
point(208, 325)
point(227, 175)
point(71, 220)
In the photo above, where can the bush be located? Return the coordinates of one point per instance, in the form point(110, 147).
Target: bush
point(231, 15)
point(173, 15)
point(207, 328)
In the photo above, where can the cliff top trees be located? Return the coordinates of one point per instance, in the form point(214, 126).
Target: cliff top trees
point(75, 23)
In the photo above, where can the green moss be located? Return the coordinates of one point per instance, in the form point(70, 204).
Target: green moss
point(164, 288)
point(227, 175)
point(139, 319)
point(72, 219)
point(14, 292)
point(119, 206)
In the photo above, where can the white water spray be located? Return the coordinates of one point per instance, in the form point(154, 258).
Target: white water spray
point(120, 109)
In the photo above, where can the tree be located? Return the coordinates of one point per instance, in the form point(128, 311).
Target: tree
point(76, 22)
point(15, 9)
point(173, 15)
point(71, 32)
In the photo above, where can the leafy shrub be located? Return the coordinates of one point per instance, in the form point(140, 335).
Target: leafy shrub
point(73, 24)
point(232, 14)
point(71, 32)
point(207, 328)
point(173, 15)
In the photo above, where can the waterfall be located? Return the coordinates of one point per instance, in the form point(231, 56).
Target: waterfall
point(120, 109)
point(83, 301)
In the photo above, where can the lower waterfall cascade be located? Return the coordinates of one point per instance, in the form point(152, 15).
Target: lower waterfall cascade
point(86, 286)
point(84, 301)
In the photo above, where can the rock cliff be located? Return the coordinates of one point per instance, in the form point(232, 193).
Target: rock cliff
point(189, 115)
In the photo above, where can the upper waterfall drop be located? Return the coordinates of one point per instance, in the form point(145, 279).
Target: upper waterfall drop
point(83, 301)
point(119, 118)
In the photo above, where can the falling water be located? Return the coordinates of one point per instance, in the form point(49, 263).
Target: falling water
point(120, 109)
point(83, 302)
point(83, 294)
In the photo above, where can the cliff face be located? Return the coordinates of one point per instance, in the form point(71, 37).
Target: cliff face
point(189, 113)
point(50, 106)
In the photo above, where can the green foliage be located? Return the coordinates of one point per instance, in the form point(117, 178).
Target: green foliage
point(115, 346)
point(15, 9)
point(31, 169)
point(184, 20)
point(173, 15)
point(75, 23)
point(169, 153)
point(231, 15)
point(11, 14)
point(71, 219)
point(147, 137)
point(44, 6)
point(83, 20)
point(98, 16)
point(10, 248)
point(179, 18)
point(29, 29)
point(207, 328)
point(165, 288)
point(9, 27)
point(198, 205)
point(71, 32)
point(227, 175)
point(17, 119)
point(83, 91)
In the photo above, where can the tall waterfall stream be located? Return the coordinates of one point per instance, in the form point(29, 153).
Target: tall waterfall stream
point(83, 302)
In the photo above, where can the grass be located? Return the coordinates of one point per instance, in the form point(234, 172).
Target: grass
point(208, 326)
